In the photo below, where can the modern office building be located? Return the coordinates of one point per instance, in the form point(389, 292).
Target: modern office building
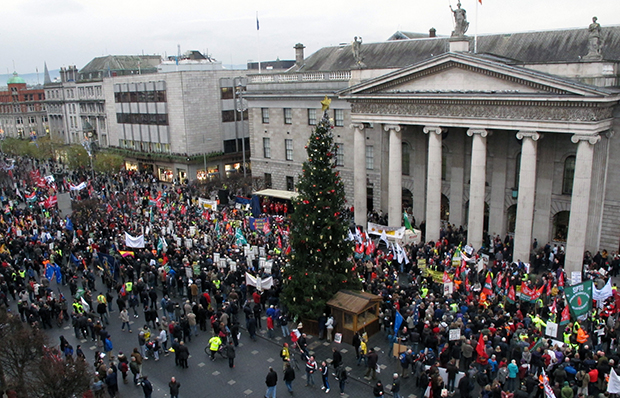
point(506, 134)
point(186, 122)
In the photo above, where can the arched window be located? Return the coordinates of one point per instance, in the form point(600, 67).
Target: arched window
point(406, 158)
point(569, 175)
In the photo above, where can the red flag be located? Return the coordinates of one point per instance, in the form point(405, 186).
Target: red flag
point(554, 306)
point(279, 243)
point(480, 347)
point(488, 285)
point(359, 248)
point(512, 296)
point(50, 201)
point(561, 279)
point(446, 278)
point(565, 316)
point(109, 208)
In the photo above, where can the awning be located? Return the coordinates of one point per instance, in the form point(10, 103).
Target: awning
point(274, 193)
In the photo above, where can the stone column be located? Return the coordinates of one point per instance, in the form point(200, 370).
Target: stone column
point(477, 186)
point(433, 183)
point(580, 202)
point(527, 193)
point(359, 174)
point(395, 196)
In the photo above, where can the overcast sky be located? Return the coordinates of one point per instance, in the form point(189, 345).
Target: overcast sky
point(72, 32)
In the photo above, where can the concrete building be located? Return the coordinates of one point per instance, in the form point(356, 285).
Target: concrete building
point(22, 110)
point(181, 123)
point(511, 134)
point(75, 102)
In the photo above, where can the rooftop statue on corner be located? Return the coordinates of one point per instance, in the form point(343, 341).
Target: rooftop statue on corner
point(460, 21)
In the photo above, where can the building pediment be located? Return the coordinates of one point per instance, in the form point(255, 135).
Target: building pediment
point(466, 75)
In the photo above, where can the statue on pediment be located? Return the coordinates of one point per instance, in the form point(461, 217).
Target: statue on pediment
point(460, 21)
point(595, 41)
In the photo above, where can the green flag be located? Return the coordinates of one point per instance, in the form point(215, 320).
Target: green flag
point(240, 238)
point(579, 299)
point(407, 223)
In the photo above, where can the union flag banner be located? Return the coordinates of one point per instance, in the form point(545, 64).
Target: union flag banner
point(512, 297)
point(530, 294)
point(488, 285)
point(579, 298)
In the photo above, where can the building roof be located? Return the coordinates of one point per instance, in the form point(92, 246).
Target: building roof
point(122, 62)
point(555, 46)
point(355, 302)
point(400, 35)
point(15, 79)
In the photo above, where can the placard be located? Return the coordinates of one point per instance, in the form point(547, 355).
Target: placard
point(448, 288)
point(575, 278)
point(261, 262)
point(192, 230)
point(455, 334)
point(188, 243)
point(338, 338)
point(255, 250)
point(261, 252)
point(223, 263)
point(552, 329)
point(216, 258)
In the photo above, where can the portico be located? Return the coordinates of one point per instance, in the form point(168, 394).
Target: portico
point(490, 107)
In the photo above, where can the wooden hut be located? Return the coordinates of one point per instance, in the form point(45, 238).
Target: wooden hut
point(355, 311)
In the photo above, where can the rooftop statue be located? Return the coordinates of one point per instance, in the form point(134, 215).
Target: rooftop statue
point(460, 21)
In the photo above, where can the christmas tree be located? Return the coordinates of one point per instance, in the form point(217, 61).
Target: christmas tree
point(320, 260)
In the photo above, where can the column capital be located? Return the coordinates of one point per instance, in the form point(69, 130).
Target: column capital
point(592, 139)
point(434, 129)
point(388, 127)
point(528, 134)
point(483, 133)
point(358, 126)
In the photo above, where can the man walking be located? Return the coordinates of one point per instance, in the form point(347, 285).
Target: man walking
point(289, 376)
point(147, 387)
point(396, 386)
point(373, 358)
point(271, 381)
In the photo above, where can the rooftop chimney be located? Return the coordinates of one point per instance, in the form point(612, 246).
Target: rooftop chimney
point(299, 54)
point(432, 32)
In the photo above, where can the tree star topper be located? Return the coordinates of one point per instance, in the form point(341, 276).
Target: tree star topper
point(325, 104)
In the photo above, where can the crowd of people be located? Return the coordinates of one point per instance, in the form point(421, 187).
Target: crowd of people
point(484, 335)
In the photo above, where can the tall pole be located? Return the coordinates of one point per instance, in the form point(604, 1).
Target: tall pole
point(204, 156)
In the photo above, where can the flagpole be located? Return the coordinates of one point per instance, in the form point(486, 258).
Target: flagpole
point(476, 30)
point(258, 39)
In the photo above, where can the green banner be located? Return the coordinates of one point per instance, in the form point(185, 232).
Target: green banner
point(579, 299)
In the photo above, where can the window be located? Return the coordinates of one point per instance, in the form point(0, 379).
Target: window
point(288, 146)
point(230, 146)
point(311, 117)
point(339, 117)
point(288, 116)
point(370, 159)
point(267, 148)
point(31, 120)
point(228, 116)
point(517, 169)
point(569, 174)
point(268, 183)
point(227, 93)
point(405, 159)
point(290, 183)
point(19, 120)
point(265, 115)
point(339, 154)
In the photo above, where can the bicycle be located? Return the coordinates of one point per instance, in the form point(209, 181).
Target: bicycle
point(221, 351)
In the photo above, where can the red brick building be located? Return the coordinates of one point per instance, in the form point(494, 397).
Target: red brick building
point(22, 109)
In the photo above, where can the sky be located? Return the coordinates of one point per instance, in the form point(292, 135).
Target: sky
point(73, 32)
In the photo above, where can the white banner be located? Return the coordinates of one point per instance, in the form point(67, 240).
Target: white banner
point(134, 241)
point(552, 329)
point(207, 204)
point(78, 187)
point(260, 284)
point(390, 232)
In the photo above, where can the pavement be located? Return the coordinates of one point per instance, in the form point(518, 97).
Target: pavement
point(205, 378)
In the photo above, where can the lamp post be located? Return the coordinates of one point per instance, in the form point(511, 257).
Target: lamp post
point(240, 106)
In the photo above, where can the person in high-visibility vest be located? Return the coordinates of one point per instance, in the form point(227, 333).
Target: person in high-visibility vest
point(582, 336)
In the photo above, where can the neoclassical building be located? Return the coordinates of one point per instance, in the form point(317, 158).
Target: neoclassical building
point(515, 138)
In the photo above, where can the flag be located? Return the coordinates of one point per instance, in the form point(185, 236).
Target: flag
point(31, 197)
point(18, 193)
point(108, 262)
point(565, 318)
point(512, 297)
point(539, 343)
point(384, 238)
point(85, 305)
point(601, 295)
point(125, 253)
point(548, 390)
point(614, 382)
point(488, 285)
point(407, 223)
point(480, 1)
point(561, 279)
point(134, 241)
point(240, 238)
point(579, 298)
point(257, 24)
point(480, 347)
point(69, 224)
point(78, 187)
point(446, 278)
point(398, 320)
point(109, 208)
point(58, 272)
point(50, 201)
point(49, 270)
point(162, 246)
point(554, 307)
point(530, 294)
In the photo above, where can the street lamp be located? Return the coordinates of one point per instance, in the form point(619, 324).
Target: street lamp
point(241, 105)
